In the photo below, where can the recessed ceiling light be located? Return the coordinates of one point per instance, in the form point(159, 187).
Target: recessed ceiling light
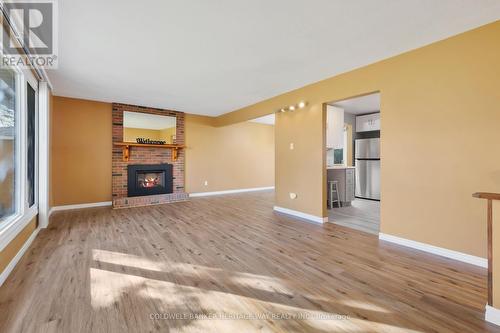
point(302, 104)
point(291, 108)
point(282, 110)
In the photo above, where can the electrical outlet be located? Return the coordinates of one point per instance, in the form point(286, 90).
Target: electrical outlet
point(292, 146)
point(293, 196)
point(205, 183)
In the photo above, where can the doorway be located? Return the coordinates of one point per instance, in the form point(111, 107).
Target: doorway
point(353, 162)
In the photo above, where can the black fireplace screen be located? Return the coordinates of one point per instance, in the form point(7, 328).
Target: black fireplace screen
point(149, 179)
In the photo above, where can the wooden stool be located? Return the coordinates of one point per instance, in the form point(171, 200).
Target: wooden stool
point(333, 189)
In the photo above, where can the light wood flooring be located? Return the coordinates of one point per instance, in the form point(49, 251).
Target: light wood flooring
point(362, 215)
point(171, 268)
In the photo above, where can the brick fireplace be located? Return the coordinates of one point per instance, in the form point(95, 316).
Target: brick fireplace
point(159, 173)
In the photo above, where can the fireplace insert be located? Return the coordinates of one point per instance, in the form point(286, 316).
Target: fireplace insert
point(147, 179)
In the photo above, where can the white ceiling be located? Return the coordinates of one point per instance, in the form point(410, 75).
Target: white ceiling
point(360, 105)
point(147, 121)
point(212, 57)
point(268, 120)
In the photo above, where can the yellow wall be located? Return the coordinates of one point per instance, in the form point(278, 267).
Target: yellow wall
point(13, 248)
point(440, 116)
point(80, 151)
point(233, 157)
point(296, 171)
point(239, 156)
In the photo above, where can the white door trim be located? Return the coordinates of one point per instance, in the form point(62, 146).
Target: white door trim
point(43, 154)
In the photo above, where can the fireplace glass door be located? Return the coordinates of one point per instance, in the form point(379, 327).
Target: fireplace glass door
point(150, 179)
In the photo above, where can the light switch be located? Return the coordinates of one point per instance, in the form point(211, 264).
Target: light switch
point(292, 146)
point(206, 183)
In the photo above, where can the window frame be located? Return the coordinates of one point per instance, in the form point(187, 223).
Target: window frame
point(34, 85)
point(12, 225)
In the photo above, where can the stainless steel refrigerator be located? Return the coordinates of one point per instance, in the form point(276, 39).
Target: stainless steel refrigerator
point(367, 155)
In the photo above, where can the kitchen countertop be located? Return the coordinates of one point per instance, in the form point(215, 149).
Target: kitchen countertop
point(333, 167)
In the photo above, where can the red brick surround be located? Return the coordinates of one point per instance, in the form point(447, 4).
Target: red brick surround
point(145, 155)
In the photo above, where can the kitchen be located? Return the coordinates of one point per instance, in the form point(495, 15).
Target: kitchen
point(353, 162)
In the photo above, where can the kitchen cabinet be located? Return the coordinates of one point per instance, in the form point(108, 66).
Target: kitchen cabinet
point(334, 127)
point(369, 122)
point(346, 185)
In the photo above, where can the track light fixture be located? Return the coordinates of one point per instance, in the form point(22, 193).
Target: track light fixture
point(292, 108)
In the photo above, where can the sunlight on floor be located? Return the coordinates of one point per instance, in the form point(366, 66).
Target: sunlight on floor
point(107, 287)
point(111, 288)
point(260, 282)
point(127, 260)
point(364, 306)
point(229, 310)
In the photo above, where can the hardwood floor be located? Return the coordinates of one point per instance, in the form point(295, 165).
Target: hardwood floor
point(362, 215)
point(133, 270)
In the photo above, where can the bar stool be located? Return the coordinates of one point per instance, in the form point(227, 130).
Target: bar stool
point(333, 189)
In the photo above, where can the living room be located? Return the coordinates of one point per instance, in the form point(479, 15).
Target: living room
point(186, 189)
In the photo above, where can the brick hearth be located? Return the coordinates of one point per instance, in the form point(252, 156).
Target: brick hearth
point(145, 155)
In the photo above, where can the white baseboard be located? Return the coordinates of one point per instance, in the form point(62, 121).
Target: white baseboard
point(492, 315)
point(467, 258)
point(253, 189)
point(313, 218)
point(6, 272)
point(80, 206)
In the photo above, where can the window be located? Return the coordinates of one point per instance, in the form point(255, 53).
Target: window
point(9, 129)
point(19, 136)
point(18, 150)
point(31, 141)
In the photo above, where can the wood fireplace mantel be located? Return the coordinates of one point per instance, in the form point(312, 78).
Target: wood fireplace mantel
point(127, 145)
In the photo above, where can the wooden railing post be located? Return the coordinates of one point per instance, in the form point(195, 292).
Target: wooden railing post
point(490, 252)
point(490, 197)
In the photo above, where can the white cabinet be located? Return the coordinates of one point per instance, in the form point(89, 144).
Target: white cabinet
point(369, 122)
point(334, 127)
